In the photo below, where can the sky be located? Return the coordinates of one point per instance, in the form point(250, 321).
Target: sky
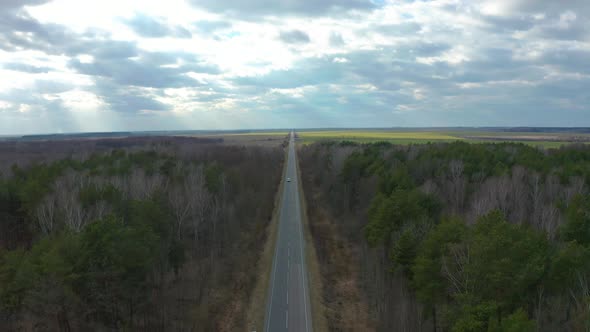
point(118, 65)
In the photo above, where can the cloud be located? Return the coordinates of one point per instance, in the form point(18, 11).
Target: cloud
point(150, 27)
point(19, 30)
point(27, 68)
point(294, 37)
point(336, 39)
point(147, 70)
point(15, 4)
point(519, 7)
point(208, 27)
point(255, 8)
point(127, 99)
point(257, 63)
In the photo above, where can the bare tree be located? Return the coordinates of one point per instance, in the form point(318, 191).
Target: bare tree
point(457, 184)
point(536, 195)
point(519, 192)
point(576, 187)
point(142, 186)
point(45, 213)
point(200, 198)
point(550, 220)
point(67, 189)
point(180, 203)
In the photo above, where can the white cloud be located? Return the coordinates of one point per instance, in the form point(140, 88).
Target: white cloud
point(204, 64)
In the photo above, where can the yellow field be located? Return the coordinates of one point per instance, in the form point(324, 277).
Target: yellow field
point(419, 137)
point(401, 136)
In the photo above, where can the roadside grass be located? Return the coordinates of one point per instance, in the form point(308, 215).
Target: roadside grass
point(314, 275)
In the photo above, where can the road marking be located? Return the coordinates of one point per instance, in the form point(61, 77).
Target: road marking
point(287, 318)
point(274, 264)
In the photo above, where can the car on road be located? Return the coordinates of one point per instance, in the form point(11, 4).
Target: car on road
point(288, 179)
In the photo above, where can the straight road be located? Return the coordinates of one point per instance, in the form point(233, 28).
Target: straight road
point(288, 307)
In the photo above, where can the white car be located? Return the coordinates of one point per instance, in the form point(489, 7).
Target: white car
point(288, 179)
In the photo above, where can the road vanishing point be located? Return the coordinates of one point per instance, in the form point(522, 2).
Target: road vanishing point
point(288, 306)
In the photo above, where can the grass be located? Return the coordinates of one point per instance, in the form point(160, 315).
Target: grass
point(419, 137)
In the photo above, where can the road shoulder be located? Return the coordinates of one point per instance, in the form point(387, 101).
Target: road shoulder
point(319, 321)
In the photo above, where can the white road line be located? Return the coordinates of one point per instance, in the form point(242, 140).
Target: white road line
point(274, 264)
point(272, 288)
point(287, 318)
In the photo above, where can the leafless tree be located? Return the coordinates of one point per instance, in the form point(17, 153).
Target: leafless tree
point(142, 186)
point(453, 268)
point(200, 197)
point(67, 189)
point(536, 196)
point(429, 187)
point(576, 187)
point(180, 203)
point(101, 210)
point(519, 193)
point(550, 220)
point(45, 213)
point(457, 184)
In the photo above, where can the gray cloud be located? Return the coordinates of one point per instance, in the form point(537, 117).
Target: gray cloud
point(400, 29)
point(150, 27)
point(127, 99)
point(253, 8)
point(15, 4)
point(145, 71)
point(207, 27)
point(550, 6)
point(45, 37)
point(23, 67)
point(514, 68)
point(569, 60)
point(560, 20)
point(294, 37)
point(336, 39)
point(307, 72)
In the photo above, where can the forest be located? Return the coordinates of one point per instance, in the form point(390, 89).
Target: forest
point(451, 236)
point(142, 233)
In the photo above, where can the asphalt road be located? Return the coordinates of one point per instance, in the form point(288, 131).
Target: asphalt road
point(288, 307)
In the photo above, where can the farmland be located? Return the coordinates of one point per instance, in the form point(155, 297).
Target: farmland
point(420, 136)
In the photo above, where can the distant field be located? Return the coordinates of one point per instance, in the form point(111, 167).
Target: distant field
point(268, 138)
point(552, 140)
point(375, 135)
point(260, 133)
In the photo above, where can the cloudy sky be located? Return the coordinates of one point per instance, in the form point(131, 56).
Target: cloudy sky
point(109, 65)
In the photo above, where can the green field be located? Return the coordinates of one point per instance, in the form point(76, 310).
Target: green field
point(422, 137)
